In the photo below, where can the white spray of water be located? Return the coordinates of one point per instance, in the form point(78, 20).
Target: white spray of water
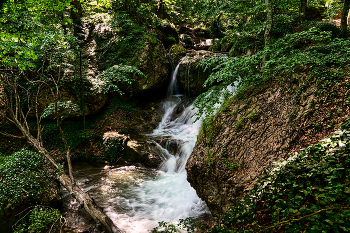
point(168, 196)
point(135, 198)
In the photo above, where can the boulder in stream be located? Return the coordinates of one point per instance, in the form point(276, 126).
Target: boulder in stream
point(138, 151)
point(191, 77)
point(177, 52)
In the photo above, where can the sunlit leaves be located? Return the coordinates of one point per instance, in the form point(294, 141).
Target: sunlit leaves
point(26, 26)
point(116, 75)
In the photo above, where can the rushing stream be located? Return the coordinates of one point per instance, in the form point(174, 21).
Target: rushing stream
point(136, 198)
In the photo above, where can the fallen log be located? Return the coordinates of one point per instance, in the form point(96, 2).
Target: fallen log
point(89, 205)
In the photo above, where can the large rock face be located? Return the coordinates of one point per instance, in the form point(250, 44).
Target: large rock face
point(167, 34)
point(241, 142)
point(152, 61)
point(192, 78)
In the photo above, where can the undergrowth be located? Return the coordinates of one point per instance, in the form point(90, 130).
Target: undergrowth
point(314, 51)
point(40, 219)
point(24, 177)
point(309, 192)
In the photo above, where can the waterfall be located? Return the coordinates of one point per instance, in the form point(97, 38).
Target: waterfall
point(173, 87)
point(135, 198)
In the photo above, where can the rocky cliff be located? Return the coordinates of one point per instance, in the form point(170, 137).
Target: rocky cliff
point(241, 141)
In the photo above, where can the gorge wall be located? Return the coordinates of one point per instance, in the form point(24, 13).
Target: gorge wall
point(242, 140)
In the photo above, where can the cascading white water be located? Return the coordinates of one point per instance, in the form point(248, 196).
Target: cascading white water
point(167, 196)
point(173, 88)
point(137, 199)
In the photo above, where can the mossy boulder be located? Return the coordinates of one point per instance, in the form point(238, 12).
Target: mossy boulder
point(152, 61)
point(191, 77)
point(167, 34)
point(201, 32)
point(177, 52)
point(245, 138)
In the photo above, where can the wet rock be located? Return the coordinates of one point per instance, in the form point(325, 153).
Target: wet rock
point(153, 62)
point(171, 144)
point(167, 34)
point(77, 219)
point(186, 40)
point(132, 150)
point(191, 77)
point(177, 52)
point(205, 44)
point(244, 140)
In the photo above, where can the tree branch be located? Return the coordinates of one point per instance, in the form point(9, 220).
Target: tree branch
point(10, 135)
point(306, 216)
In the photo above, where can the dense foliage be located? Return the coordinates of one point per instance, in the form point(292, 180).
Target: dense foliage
point(312, 51)
point(309, 192)
point(39, 219)
point(43, 47)
point(24, 178)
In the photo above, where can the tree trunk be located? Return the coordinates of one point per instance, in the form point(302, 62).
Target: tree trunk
point(89, 205)
point(303, 7)
point(267, 34)
point(344, 18)
point(76, 14)
point(68, 182)
point(160, 10)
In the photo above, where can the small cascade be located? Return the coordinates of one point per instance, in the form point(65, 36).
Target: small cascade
point(135, 198)
point(173, 88)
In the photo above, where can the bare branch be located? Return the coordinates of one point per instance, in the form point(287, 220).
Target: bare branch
point(306, 216)
point(10, 135)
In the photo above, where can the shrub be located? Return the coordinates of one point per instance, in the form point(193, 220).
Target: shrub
point(40, 219)
point(23, 177)
point(308, 192)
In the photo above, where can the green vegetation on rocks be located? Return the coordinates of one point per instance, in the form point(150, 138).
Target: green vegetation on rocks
point(309, 192)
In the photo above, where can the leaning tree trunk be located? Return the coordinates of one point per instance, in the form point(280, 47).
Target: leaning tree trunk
point(344, 18)
point(82, 197)
point(90, 206)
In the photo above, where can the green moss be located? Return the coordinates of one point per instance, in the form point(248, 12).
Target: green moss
point(230, 164)
point(239, 123)
point(210, 159)
point(176, 49)
point(225, 107)
point(253, 115)
point(209, 130)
